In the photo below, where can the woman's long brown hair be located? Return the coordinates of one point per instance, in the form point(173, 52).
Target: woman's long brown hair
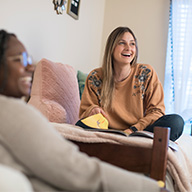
point(107, 91)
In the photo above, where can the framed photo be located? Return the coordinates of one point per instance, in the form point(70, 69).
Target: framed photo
point(73, 8)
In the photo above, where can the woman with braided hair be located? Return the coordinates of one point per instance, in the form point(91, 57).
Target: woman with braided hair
point(30, 144)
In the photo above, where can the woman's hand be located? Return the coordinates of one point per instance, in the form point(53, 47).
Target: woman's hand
point(128, 131)
point(97, 110)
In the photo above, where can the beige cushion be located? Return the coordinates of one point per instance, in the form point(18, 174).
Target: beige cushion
point(55, 91)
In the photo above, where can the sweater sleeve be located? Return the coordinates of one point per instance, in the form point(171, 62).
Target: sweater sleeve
point(153, 102)
point(91, 94)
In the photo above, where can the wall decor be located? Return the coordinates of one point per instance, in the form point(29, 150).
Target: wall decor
point(73, 8)
point(59, 6)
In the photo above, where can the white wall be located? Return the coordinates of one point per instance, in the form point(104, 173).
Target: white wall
point(149, 21)
point(56, 37)
point(80, 43)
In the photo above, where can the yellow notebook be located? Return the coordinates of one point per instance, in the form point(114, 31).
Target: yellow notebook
point(96, 121)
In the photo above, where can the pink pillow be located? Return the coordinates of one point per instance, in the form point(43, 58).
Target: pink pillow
point(55, 92)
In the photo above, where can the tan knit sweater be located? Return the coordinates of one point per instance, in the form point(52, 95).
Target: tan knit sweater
point(138, 100)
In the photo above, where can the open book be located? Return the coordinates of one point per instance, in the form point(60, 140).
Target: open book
point(99, 123)
point(148, 134)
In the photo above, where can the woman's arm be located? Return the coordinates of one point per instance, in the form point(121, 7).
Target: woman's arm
point(90, 101)
point(46, 155)
point(153, 102)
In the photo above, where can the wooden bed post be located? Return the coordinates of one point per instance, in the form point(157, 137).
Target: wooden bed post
point(159, 156)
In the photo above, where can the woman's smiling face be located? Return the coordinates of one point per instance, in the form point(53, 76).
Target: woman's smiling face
point(19, 77)
point(125, 49)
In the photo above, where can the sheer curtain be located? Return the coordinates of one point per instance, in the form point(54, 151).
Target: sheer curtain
point(178, 70)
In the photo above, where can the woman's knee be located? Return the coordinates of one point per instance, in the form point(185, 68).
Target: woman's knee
point(178, 122)
point(174, 121)
point(177, 125)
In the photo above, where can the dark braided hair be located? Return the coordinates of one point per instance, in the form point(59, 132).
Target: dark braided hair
point(4, 38)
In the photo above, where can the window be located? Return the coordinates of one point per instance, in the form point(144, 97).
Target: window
point(178, 69)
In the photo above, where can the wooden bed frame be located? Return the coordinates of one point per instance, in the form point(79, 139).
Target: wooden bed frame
point(150, 161)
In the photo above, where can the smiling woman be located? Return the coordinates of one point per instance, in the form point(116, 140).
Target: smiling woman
point(129, 94)
point(123, 54)
point(16, 67)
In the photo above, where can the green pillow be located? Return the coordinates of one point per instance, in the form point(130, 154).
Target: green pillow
point(81, 77)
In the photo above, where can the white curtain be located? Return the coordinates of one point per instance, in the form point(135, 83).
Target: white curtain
point(178, 70)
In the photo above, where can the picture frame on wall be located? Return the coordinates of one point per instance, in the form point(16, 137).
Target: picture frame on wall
point(73, 8)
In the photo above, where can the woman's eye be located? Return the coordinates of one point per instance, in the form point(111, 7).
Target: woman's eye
point(132, 44)
point(121, 43)
point(17, 60)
